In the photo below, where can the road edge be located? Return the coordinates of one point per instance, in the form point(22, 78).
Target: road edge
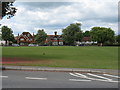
point(55, 69)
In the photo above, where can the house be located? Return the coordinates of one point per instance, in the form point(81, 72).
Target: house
point(25, 38)
point(54, 39)
point(86, 41)
point(2, 42)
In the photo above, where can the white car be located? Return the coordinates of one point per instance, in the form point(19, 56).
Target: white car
point(31, 45)
point(15, 45)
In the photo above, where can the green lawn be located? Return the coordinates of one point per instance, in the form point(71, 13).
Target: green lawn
point(66, 56)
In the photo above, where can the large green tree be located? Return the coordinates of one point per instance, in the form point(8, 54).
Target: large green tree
point(118, 38)
point(78, 36)
point(72, 33)
point(7, 8)
point(102, 35)
point(7, 34)
point(0, 36)
point(86, 34)
point(40, 37)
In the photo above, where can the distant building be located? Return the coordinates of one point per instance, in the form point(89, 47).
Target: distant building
point(54, 40)
point(85, 41)
point(25, 38)
point(2, 42)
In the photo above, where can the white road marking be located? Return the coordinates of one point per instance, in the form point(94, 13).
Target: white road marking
point(3, 76)
point(36, 78)
point(98, 76)
point(79, 80)
point(83, 76)
point(111, 75)
point(74, 75)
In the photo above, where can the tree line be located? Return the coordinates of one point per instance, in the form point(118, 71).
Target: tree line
point(103, 35)
point(71, 34)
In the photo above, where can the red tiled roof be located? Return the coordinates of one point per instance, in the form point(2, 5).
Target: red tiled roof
point(25, 33)
point(86, 39)
point(16, 37)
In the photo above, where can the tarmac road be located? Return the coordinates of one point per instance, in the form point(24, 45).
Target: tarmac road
point(42, 79)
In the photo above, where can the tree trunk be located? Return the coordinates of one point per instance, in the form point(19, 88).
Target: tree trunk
point(5, 42)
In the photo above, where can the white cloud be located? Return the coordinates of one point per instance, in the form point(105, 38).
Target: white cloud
point(90, 13)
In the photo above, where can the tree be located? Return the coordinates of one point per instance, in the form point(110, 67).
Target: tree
point(7, 34)
point(72, 33)
point(118, 38)
point(8, 9)
point(78, 36)
point(0, 36)
point(102, 35)
point(86, 34)
point(40, 37)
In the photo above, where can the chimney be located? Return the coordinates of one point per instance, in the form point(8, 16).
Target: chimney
point(55, 33)
point(33, 34)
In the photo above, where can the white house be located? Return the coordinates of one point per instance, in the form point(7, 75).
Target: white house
point(2, 42)
point(85, 41)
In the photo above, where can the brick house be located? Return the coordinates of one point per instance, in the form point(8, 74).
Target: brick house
point(25, 38)
point(54, 39)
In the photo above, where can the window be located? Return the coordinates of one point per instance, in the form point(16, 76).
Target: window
point(60, 43)
point(22, 39)
point(60, 38)
point(55, 43)
point(30, 39)
point(22, 44)
point(28, 35)
point(55, 38)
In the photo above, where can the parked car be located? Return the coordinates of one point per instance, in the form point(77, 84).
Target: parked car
point(2, 68)
point(15, 45)
point(36, 45)
point(31, 45)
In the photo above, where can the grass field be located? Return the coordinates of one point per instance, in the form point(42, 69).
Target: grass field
point(65, 56)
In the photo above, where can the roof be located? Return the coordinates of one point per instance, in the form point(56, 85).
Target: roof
point(16, 37)
point(86, 39)
point(25, 33)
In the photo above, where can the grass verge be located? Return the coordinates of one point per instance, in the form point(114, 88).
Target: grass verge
point(65, 56)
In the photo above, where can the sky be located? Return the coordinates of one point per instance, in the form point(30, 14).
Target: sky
point(54, 16)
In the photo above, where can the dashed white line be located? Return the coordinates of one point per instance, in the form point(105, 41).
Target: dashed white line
point(79, 80)
point(111, 75)
point(3, 76)
point(35, 78)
